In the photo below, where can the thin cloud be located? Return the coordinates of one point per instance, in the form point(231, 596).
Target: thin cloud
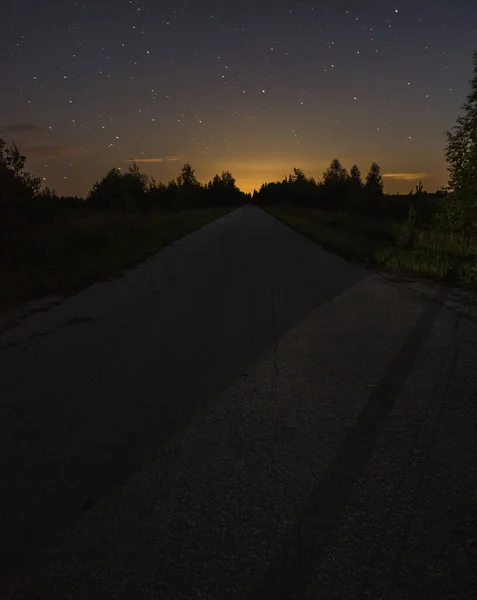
point(153, 160)
point(248, 117)
point(20, 128)
point(54, 150)
point(407, 176)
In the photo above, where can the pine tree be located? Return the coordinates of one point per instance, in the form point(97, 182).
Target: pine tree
point(335, 173)
point(354, 189)
point(334, 186)
point(374, 186)
point(461, 153)
point(355, 176)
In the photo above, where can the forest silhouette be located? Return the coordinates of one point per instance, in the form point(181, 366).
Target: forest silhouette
point(48, 241)
point(24, 200)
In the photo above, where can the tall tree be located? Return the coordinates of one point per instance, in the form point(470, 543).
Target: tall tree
point(334, 186)
point(299, 189)
point(17, 187)
point(223, 190)
point(298, 176)
point(190, 192)
point(187, 177)
point(335, 173)
point(125, 191)
point(215, 184)
point(354, 186)
point(461, 153)
point(374, 186)
point(227, 180)
point(355, 176)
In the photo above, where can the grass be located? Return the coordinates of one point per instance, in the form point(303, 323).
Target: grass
point(386, 244)
point(77, 251)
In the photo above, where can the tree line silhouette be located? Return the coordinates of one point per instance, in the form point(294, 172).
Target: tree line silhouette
point(133, 190)
point(341, 191)
point(23, 199)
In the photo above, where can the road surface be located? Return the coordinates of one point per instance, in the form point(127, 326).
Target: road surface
point(242, 416)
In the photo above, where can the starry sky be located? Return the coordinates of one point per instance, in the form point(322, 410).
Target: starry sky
point(255, 87)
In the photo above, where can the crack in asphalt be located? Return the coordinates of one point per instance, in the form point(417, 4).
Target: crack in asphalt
point(275, 344)
point(428, 297)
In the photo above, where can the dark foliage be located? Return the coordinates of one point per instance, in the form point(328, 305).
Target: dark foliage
point(121, 191)
point(134, 191)
point(223, 190)
point(18, 189)
point(461, 154)
point(334, 187)
point(24, 200)
point(342, 192)
point(374, 186)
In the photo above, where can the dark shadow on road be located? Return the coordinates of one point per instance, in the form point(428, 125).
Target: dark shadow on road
point(60, 454)
point(302, 552)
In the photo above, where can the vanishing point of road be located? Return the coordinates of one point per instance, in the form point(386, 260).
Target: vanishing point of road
point(243, 416)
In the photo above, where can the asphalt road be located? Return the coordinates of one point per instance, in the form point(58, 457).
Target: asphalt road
point(243, 416)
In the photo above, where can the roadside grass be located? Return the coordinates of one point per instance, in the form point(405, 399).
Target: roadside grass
point(66, 256)
point(389, 245)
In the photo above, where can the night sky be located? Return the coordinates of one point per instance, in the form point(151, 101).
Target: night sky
point(256, 88)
